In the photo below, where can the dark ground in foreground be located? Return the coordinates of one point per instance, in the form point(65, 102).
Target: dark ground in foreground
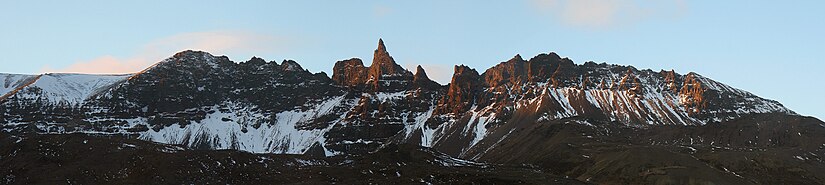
point(85, 159)
point(765, 149)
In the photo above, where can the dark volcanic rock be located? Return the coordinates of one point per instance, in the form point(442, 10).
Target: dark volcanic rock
point(180, 89)
point(512, 71)
point(421, 80)
point(762, 149)
point(385, 98)
point(382, 75)
point(462, 91)
point(539, 68)
point(383, 65)
point(290, 65)
point(350, 73)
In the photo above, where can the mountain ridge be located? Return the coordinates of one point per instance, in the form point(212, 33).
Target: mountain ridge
point(547, 111)
point(255, 58)
point(542, 70)
point(191, 98)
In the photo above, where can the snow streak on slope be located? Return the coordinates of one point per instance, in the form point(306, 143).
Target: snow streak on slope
point(752, 103)
point(420, 124)
point(478, 124)
point(649, 104)
point(650, 108)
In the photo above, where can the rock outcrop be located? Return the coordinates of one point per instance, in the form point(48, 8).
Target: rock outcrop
point(350, 72)
point(421, 80)
point(692, 94)
point(462, 92)
point(383, 65)
point(512, 71)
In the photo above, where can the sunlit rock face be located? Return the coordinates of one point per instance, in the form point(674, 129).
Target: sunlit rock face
point(209, 102)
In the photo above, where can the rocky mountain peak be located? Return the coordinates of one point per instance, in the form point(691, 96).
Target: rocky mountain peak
point(191, 56)
point(258, 66)
point(462, 91)
point(537, 69)
point(189, 60)
point(517, 58)
point(511, 71)
point(190, 53)
point(381, 46)
point(381, 55)
point(541, 67)
point(291, 65)
point(190, 63)
point(420, 78)
point(256, 60)
point(462, 71)
point(383, 65)
point(420, 74)
point(350, 72)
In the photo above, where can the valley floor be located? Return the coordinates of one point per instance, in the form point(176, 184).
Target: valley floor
point(86, 159)
point(761, 149)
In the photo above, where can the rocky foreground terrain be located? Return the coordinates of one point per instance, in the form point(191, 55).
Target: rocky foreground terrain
point(199, 118)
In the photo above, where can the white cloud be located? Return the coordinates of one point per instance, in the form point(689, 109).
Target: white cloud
point(381, 10)
point(602, 14)
point(215, 42)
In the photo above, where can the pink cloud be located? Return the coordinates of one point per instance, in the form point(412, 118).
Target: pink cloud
point(601, 14)
point(215, 42)
point(104, 65)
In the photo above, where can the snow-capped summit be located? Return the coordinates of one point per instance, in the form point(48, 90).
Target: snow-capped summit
point(63, 88)
point(12, 82)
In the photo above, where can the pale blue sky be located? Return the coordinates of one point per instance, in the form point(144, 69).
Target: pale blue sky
point(773, 49)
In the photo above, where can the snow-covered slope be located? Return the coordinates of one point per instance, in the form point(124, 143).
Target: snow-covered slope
point(10, 82)
point(242, 128)
point(70, 89)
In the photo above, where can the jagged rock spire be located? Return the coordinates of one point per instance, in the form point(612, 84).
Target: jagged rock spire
point(384, 68)
point(383, 64)
point(381, 46)
point(381, 56)
point(421, 79)
point(420, 73)
point(517, 58)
